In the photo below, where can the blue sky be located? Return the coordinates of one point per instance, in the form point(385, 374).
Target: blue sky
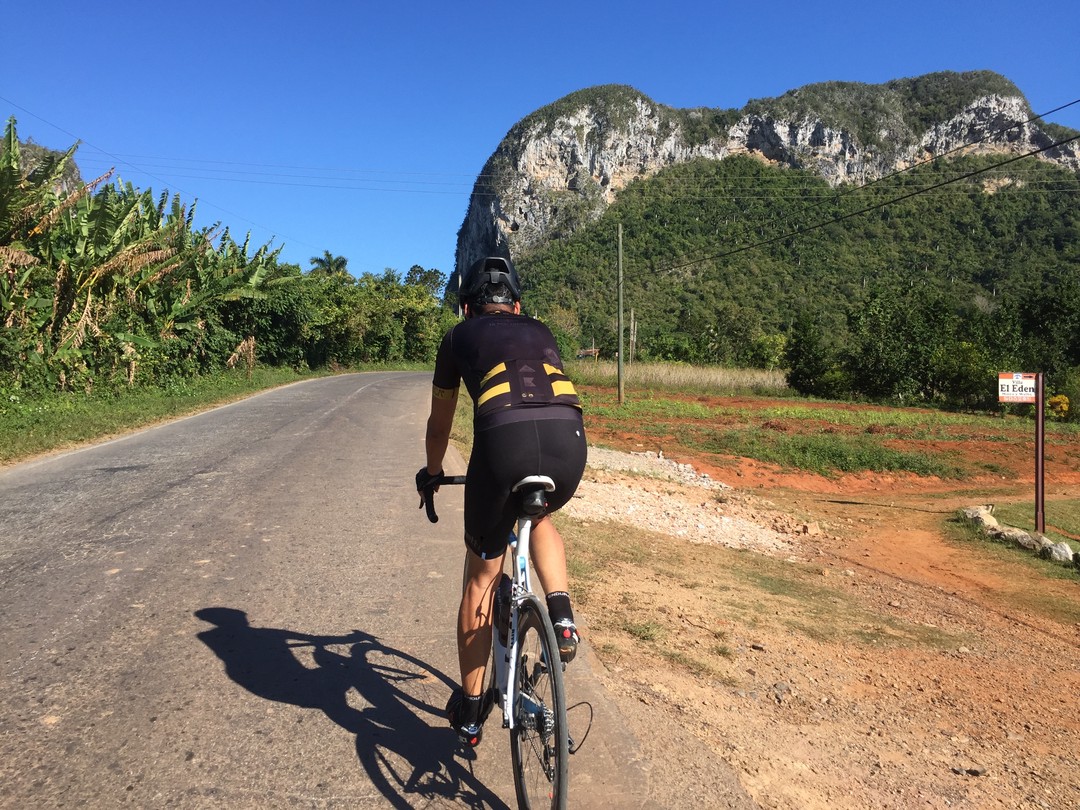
point(359, 127)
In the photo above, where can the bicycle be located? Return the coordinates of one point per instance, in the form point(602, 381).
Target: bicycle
point(527, 673)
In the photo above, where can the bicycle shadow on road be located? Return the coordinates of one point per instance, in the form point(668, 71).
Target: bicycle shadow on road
point(398, 694)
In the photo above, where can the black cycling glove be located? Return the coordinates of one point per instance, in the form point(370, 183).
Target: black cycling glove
point(425, 480)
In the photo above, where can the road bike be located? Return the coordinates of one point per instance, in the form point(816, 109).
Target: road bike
point(527, 673)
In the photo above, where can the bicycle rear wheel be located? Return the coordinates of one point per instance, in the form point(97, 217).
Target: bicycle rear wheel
point(539, 744)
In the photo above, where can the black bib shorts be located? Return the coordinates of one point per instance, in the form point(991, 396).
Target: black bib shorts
point(502, 456)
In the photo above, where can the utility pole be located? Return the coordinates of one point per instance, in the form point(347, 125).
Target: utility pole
point(620, 324)
point(1040, 458)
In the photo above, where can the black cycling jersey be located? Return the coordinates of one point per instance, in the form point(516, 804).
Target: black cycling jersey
point(526, 419)
point(511, 369)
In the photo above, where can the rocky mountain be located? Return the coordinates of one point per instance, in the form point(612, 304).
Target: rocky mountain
point(563, 165)
point(34, 157)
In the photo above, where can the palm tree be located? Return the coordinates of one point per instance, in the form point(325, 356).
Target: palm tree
point(329, 266)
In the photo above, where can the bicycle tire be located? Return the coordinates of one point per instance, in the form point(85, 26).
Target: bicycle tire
point(539, 747)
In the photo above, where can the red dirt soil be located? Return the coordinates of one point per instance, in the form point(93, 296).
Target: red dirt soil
point(996, 725)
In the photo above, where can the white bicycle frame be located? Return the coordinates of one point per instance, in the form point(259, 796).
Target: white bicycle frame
point(506, 657)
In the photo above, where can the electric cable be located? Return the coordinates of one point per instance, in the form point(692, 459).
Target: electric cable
point(893, 201)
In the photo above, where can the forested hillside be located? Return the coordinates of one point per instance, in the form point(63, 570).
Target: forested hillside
point(738, 262)
point(904, 241)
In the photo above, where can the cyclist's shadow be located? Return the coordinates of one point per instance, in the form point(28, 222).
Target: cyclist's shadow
point(400, 752)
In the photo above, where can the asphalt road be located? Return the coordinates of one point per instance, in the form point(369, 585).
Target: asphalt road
point(245, 608)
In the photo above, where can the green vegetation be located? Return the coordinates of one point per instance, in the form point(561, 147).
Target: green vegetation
point(813, 436)
point(680, 377)
point(1062, 519)
point(1017, 593)
point(917, 288)
point(823, 453)
point(613, 104)
point(921, 301)
point(106, 289)
point(902, 109)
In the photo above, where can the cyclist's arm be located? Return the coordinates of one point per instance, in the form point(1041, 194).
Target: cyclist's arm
point(441, 419)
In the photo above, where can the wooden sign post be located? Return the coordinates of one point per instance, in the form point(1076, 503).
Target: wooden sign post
point(1019, 387)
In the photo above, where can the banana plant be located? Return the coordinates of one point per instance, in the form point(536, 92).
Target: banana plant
point(91, 278)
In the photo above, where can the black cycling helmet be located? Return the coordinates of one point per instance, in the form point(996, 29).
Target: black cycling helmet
point(491, 280)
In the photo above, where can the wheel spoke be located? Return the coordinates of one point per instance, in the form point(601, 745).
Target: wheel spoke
point(540, 747)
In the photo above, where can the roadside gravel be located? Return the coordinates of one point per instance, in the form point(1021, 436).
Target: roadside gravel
point(655, 493)
point(900, 673)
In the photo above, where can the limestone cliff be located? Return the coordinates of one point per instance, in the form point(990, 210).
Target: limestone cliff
point(563, 165)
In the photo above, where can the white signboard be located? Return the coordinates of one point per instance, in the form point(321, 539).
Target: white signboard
point(1015, 386)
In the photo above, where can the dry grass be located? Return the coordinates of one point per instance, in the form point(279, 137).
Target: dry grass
point(644, 594)
point(679, 377)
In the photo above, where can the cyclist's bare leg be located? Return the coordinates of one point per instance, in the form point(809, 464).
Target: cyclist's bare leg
point(548, 556)
point(474, 620)
point(549, 560)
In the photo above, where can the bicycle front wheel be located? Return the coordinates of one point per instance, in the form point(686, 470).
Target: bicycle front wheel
point(539, 744)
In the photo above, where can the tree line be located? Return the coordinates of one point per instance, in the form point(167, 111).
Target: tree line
point(730, 262)
point(105, 285)
point(856, 292)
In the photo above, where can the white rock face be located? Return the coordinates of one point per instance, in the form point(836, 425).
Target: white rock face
point(554, 176)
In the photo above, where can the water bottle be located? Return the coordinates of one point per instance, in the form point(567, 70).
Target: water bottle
point(502, 608)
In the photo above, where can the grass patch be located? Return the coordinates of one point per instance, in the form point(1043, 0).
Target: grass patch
point(821, 437)
point(649, 408)
point(824, 454)
point(461, 433)
point(32, 425)
point(818, 439)
point(1019, 568)
point(1062, 519)
point(645, 631)
point(700, 667)
point(921, 422)
point(679, 377)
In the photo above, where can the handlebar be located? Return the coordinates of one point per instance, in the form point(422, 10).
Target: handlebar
point(427, 496)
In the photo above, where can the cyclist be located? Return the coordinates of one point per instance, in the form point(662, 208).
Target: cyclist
point(526, 421)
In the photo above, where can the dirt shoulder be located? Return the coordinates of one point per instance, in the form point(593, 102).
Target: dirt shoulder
point(826, 640)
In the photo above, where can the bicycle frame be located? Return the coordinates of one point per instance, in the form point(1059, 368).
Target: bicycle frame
point(536, 718)
point(506, 656)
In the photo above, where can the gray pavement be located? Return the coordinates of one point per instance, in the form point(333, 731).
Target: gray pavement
point(246, 609)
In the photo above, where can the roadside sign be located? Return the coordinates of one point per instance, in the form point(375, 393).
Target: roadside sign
point(1016, 386)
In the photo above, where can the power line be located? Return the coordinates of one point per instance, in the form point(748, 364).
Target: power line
point(385, 176)
point(741, 190)
point(967, 146)
point(876, 206)
point(408, 185)
point(79, 140)
point(325, 186)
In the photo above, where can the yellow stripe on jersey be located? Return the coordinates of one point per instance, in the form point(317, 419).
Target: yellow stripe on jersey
point(499, 369)
point(550, 369)
point(494, 391)
point(563, 387)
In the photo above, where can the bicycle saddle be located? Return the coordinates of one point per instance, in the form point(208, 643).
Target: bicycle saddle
point(532, 489)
